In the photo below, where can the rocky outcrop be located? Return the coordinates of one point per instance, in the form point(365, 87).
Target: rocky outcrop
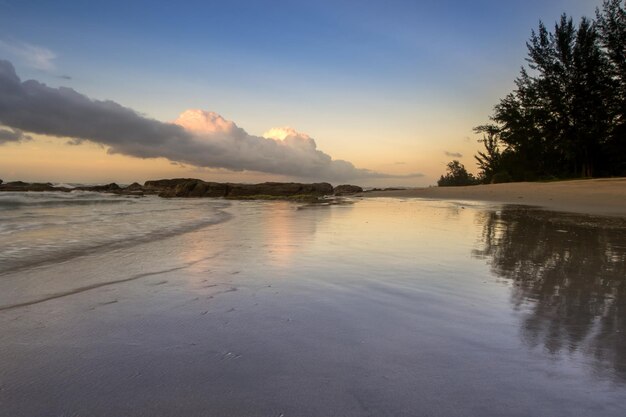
point(196, 188)
point(30, 186)
point(157, 186)
point(134, 187)
point(279, 189)
point(386, 189)
point(347, 189)
point(191, 187)
point(108, 188)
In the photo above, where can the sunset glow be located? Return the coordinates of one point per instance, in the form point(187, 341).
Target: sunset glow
point(377, 95)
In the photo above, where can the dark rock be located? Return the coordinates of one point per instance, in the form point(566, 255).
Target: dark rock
point(345, 189)
point(195, 188)
point(21, 184)
point(281, 189)
point(108, 188)
point(134, 187)
point(26, 186)
point(191, 187)
point(156, 186)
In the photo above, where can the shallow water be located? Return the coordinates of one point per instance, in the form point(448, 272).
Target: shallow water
point(381, 307)
point(49, 226)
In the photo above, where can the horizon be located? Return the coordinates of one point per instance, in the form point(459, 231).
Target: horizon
point(383, 96)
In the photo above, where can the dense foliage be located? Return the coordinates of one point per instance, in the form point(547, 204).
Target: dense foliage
point(456, 175)
point(567, 115)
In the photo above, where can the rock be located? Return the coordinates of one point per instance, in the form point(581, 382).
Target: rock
point(26, 186)
point(279, 189)
point(345, 189)
point(108, 188)
point(134, 187)
point(157, 186)
point(191, 187)
point(21, 184)
point(165, 186)
point(195, 188)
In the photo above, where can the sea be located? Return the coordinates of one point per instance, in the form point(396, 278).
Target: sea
point(42, 227)
point(141, 306)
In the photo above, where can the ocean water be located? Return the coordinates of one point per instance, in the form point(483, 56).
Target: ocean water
point(38, 228)
point(374, 307)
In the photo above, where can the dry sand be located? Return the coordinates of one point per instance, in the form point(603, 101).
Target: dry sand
point(597, 196)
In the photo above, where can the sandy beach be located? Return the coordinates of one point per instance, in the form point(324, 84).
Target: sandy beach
point(596, 196)
point(118, 306)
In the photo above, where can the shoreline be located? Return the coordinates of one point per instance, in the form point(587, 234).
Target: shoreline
point(395, 302)
point(602, 196)
point(605, 196)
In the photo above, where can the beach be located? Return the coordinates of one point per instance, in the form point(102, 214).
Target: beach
point(377, 306)
point(595, 196)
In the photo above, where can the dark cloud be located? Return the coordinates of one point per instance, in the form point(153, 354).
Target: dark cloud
point(453, 154)
point(12, 135)
point(34, 107)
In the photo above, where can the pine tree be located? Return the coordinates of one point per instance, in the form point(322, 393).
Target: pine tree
point(566, 115)
point(611, 22)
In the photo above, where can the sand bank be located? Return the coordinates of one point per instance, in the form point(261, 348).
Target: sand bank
point(597, 196)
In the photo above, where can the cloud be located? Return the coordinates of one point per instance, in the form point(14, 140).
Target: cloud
point(199, 138)
point(12, 135)
point(453, 154)
point(32, 55)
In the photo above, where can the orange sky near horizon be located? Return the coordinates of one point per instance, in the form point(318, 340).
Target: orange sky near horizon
point(51, 159)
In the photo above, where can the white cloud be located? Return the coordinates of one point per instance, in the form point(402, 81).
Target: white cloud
point(32, 55)
point(200, 138)
point(279, 151)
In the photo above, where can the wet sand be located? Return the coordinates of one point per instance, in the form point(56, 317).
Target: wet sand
point(597, 196)
point(385, 307)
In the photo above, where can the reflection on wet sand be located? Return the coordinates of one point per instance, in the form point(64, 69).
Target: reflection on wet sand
point(569, 281)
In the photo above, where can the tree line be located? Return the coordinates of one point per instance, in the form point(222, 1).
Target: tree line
point(566, 117)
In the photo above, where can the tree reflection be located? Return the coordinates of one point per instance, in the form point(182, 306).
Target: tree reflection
point(568, 275)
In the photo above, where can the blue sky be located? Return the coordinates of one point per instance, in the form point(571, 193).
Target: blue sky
point(390, 86)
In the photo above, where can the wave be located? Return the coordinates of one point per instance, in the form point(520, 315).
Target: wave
point(43, 229)
point(18, 200)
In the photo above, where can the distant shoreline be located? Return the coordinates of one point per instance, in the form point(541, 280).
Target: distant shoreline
point(605, 196)
point(197, 188)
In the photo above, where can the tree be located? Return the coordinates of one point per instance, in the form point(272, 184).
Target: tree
point(456, 175)
point(566, 116)
point(611, 24)
point(488, 161)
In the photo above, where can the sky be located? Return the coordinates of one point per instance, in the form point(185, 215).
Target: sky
point(376, 93)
